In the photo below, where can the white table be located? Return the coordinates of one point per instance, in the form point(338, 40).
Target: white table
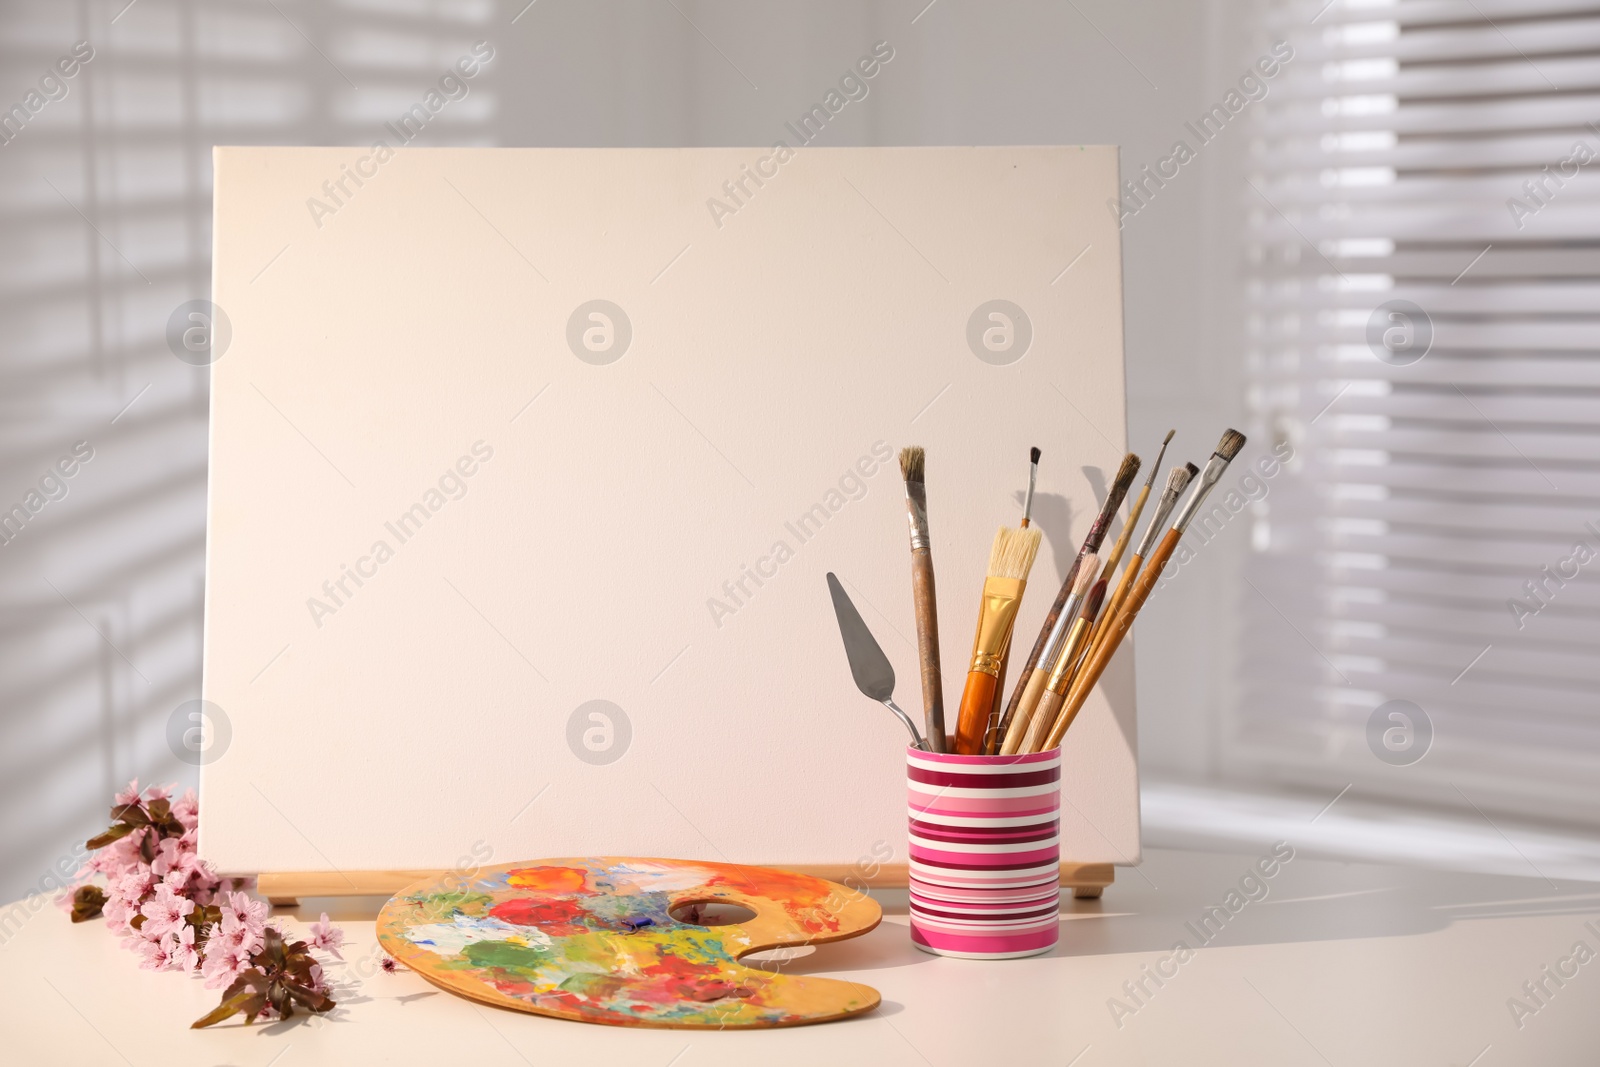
point(1340, 964)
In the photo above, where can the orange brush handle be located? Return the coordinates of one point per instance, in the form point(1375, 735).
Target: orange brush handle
point(1089, 673)
point(977, 703)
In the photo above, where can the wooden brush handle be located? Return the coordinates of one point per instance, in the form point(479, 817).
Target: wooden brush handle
point(992, 733)
point(1127, 530)
point(1044, 719)
point(1116, 629)
point(1018, 727)
point(1108, 614)
point(1038, 646)
point(977, 701)
point(927, 611)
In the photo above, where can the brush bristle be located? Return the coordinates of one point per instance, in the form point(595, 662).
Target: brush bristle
point(1230, 444)
point(1088, 571)
point(1033, 455)
point(1126, 473)
point(1167, 440)
point(1178, 480)
point(1013, 552)
point(912, 460)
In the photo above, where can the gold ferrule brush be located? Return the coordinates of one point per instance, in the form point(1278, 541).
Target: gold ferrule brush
point(1018, 727)
point(1001, 598)
point(1054, 695)
point(1010, 559)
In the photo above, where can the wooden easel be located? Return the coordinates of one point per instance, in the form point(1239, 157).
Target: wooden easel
point(284, 889)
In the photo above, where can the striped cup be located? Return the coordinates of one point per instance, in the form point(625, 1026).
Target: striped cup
point(985, 853)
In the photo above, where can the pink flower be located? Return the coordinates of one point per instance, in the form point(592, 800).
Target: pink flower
point(163, 913)
point(186, 809)
point(185, 956)
point(117, 913)
point(224, 961)
point(157, 953)
point(326, 936)
point(124, 896)
point(129, 795)
point(160, 792)
point(252, 914)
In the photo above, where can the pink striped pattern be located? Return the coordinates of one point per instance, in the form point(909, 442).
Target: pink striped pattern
point(985, 853)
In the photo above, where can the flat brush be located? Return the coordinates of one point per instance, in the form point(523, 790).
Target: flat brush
point(1010, 560)
point(913, 462)
point(1177, 481)
point(1054, 695)
point(1232, 441)
point(1017, 728)
point(1054, 629)
point(992, 735)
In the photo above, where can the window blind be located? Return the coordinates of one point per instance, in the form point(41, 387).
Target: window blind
point(107, 178)
point(1422, 289)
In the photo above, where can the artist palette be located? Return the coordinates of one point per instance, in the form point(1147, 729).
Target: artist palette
point(597, 940)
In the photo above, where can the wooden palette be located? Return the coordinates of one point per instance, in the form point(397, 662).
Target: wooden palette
point(594, 940)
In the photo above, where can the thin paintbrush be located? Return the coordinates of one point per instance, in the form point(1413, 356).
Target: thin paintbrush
point(1134, 512)
point(1017, 729)
point(992, 735)
point(1033, 480)
point(1232, 441)
point(1031, 681)
point(1177, 481)
point(1010, 559)
point(913, 464)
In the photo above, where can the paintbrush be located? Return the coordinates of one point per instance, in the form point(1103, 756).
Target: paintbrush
point(913, 461)
point(1010, 559)
point(1017, 729)
point(1050, 701)
point(1232, 441)
point(992, 734)
point(1177, 481)
point(1031, 681)
point(1033, 480)
point(1134, 512)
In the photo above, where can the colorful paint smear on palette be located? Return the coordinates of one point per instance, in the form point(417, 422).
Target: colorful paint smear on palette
point(594, 939)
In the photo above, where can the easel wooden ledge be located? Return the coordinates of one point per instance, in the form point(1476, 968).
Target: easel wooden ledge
point(283, 889)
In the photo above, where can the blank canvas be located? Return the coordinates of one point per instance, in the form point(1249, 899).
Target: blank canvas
point(504, 440)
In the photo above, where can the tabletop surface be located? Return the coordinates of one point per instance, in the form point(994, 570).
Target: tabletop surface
point(1323, 963)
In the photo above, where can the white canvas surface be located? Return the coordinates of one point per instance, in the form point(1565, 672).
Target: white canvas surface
point(782, 346)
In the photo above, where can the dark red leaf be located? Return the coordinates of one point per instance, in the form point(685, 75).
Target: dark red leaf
point(309, 997)
point(87, 901)
point(229, 1007)
point(115, 833)
point(130, 813)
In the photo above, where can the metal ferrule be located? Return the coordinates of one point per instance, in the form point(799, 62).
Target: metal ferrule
point(1208, 478)
point(1058, 632)
point(917, 514)
point(1001, 598)
point(1063, 664)
point(1163, 509)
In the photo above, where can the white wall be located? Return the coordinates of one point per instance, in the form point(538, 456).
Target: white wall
point(105, 202)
